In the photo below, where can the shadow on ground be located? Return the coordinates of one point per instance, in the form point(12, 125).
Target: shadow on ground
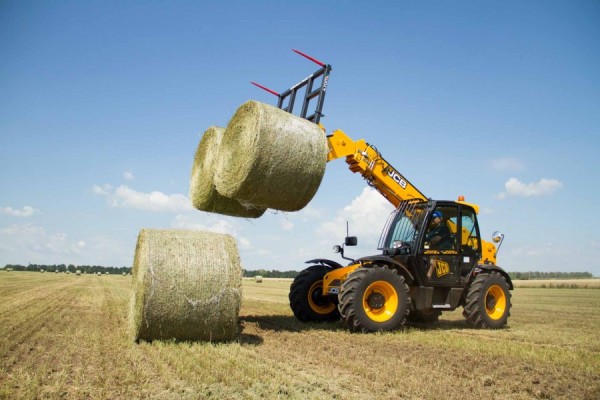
point(288, 323)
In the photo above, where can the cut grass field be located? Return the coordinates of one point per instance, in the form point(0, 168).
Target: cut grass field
point(64, 336)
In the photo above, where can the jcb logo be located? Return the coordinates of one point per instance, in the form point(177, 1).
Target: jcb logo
point(397, 178)
point(442, 268)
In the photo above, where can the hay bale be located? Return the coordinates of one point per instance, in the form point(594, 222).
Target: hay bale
point(270, 158)
point(186, 286)
point(258, 279)
point(203, 193)
point(78, 272)
point(99, 273)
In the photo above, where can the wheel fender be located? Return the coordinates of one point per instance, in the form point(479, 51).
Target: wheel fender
point(492, 268)
point(325, 262)
point(408, 277)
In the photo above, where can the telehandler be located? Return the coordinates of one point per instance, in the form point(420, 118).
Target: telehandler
point(422, 269)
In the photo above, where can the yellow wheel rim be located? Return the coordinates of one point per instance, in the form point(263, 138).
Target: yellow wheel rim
point(317, 302)
point(495, 302)
point(386, 297)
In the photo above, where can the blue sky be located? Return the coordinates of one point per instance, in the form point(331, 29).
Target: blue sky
point(102, 105)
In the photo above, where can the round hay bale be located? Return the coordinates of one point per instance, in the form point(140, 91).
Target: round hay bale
point(78, 272)
point(270, 158)
point(99, 273)
point(186, 286)
point(203, 193)
point(258, 279)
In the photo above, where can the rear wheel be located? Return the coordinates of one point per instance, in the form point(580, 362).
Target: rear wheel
point(488, 301)
point(374, 299)
point(306, 297)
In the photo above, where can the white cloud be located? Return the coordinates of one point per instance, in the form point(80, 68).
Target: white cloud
point(22, 243)
point(514, 187)
point(507, 164)
point(287, 225)
point(26, 211)
point(366, 215)
point(125, 197)
point(210, 223)
point(128, 175)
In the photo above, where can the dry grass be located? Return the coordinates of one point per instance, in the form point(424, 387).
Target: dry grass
point(69, 340)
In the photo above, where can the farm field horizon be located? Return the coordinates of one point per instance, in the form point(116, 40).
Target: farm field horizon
point(65, 336)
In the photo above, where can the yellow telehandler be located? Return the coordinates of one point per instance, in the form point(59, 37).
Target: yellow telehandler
point(432, 256)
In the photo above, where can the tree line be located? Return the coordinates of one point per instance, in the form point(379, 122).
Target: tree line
point(88, 269)
point(530, 275)
point(92, 269)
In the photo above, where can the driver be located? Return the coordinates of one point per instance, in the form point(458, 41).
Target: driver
point(439, 235)
point(439, 238)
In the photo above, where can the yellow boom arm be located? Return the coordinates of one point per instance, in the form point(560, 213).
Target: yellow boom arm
point(364, 159)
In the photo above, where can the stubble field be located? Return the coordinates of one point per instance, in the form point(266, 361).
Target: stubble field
point(64, 336)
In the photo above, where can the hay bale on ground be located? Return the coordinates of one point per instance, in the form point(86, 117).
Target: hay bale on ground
point(270, 158)
point(186, 286)
point(78, 272)
point(203, 193)
point(258, 279)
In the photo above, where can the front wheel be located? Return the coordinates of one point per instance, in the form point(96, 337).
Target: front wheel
point(374, 299)
point(488, 301)
point(306, 297)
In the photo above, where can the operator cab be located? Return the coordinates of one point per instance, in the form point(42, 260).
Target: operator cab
point(440, 240)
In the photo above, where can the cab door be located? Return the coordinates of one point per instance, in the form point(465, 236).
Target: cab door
point(442, 265)
point(470, 242)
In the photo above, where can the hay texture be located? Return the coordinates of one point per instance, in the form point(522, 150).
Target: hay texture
point(186, 286)
point(203, 193)
point(270, 158)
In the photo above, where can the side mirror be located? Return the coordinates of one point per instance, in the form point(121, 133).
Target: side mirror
point(497, 237)
point(351, 241)
point(337, 248)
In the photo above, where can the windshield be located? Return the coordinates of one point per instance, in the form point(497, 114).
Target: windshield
point(402, 225)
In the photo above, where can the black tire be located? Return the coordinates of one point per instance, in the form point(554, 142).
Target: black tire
point(306, 299)
point(374, 299)
point(428, 316)
point(488, 301)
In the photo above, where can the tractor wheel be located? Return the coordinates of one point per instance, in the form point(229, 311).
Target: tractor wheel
point(428, 316)
point(488, 301)
point(306, 297)
point(374, 299)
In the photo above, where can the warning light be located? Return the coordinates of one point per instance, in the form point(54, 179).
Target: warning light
point(461, 198)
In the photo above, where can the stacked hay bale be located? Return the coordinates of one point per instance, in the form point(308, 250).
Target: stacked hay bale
point(270, 158)
point(186, 286)
point(203, 193)
point(265, 158)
